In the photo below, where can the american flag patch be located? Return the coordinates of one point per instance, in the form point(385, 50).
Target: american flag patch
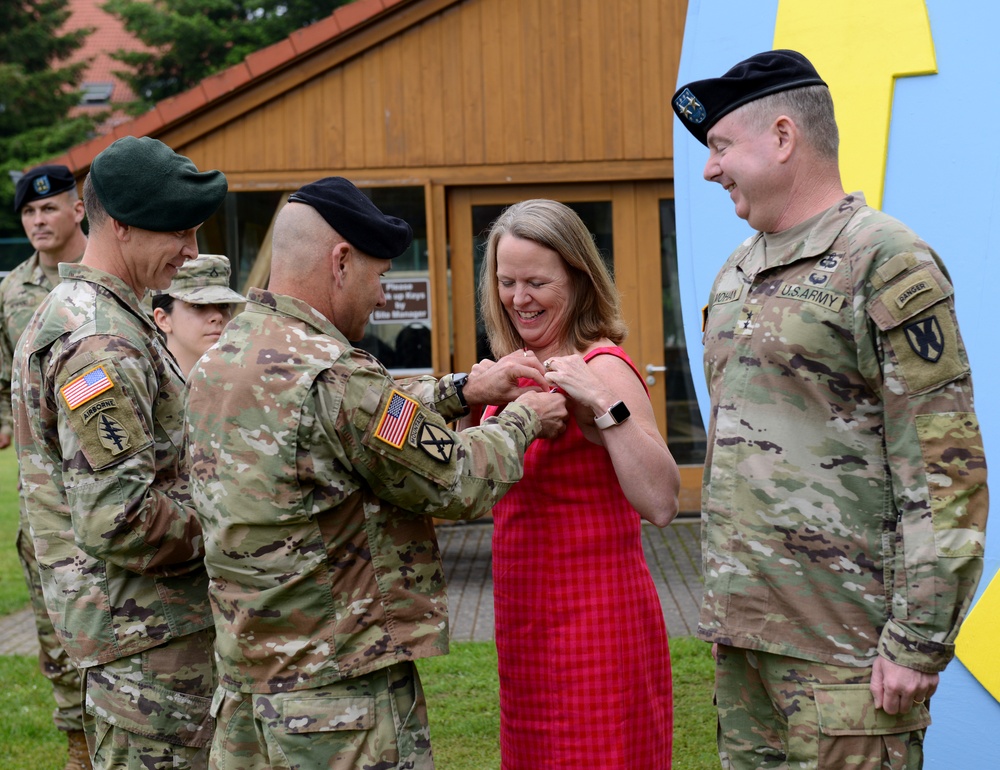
point(85, 387)
point(396, 419)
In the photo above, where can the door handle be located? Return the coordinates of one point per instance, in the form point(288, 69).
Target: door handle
point(651, 370)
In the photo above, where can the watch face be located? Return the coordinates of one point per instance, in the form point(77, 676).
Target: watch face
point(619, 411)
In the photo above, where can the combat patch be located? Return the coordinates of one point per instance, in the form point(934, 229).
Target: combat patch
point(829, 299)
point(394, 424)
point(927, 350)
point(89, 385)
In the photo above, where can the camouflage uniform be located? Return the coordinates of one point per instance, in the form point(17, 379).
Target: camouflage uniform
point(21, 293)
point(100, 440)
point(314, 473)
point(844, 501)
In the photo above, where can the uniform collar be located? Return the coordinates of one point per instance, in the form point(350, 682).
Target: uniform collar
point(113, 284)
point(296, 308)
point(813, 237)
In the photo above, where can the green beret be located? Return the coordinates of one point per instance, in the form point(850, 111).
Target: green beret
point(143, 183)
point(703, 103)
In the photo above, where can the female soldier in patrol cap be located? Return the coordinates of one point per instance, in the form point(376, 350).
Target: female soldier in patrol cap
point(196, 308)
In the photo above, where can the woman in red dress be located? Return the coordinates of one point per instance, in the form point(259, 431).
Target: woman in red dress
point(583, 657)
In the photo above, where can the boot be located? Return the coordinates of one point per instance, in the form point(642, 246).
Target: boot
point(79, 754)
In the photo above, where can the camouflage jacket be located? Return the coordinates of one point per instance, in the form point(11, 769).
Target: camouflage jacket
point(844, 502)
point(21, 293)
point(98, 417)
point(314, 474)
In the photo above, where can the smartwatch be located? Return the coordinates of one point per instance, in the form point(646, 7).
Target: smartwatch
point(459, 380)
point(616, 415)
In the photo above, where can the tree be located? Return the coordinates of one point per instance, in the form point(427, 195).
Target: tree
point(194, 38)
point(37, 91)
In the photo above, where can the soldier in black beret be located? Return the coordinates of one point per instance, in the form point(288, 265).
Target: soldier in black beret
point(127, 589)
point(51, 212)
point(844, 505)
point(360, 463)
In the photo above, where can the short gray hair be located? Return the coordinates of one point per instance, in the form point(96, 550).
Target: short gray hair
point(812, 110)
point(97, 215)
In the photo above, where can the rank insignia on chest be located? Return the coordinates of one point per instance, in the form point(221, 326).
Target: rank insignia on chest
point(394, 424)
point(85, 387)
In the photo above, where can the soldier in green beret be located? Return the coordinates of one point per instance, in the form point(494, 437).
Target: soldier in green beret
point(844, 506)
point(51, 213)
point(98, 425)
point(316, 475)
point(196, 307)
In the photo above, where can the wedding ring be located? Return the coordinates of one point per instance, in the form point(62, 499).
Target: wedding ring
point(918, 701)
point(548, 364)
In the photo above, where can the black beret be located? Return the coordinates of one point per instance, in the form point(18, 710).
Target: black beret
point(42, 182)
point(143, 183)
point(352, 214)
point(703, 103)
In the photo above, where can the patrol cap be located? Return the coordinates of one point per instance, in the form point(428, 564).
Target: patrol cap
point(42, 182)
point(703, 103)
point(203, 281)
point(143, 183)
point(352, 214)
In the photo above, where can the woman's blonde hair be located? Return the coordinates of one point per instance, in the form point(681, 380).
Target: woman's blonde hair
point(596, 311)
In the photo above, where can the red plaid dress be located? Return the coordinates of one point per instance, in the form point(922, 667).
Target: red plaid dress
point(583, 656)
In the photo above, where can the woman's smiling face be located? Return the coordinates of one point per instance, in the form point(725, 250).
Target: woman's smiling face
point(536, 290)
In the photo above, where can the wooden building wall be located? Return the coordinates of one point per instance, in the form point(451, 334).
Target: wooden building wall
point(461, 91)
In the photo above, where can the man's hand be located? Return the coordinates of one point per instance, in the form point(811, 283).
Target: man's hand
point(551, 409)
point(4, 441)
point(496, 382)
point(896, 688)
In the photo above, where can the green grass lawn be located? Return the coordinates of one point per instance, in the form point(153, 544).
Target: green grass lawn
point(462, 703)
point(13, 592)
point(461, 687)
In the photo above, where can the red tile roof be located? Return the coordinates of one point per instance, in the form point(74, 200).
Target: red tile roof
point(109, 35)
point(259, 64)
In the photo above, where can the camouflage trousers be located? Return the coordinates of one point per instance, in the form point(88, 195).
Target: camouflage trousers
point(781, 712)
point(373, 721)
point(151, 711)
point(53, 660)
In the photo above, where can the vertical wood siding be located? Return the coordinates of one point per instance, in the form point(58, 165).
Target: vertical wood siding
point(484, 82)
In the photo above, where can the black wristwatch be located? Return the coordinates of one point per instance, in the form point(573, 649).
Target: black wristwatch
point(459, 380)
point(616, 415)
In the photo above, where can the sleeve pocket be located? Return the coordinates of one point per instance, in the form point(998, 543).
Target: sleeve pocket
point(955, 463)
